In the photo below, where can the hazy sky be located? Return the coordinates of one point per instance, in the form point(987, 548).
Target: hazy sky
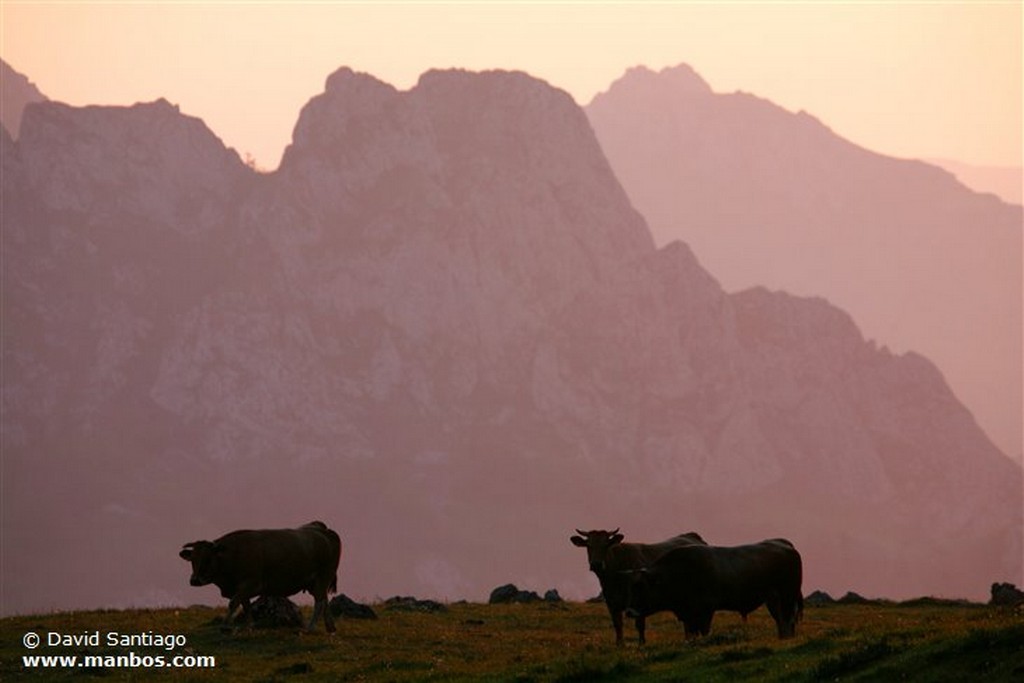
point(926, 80)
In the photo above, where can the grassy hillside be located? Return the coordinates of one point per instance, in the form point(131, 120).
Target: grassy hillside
point(922, 641)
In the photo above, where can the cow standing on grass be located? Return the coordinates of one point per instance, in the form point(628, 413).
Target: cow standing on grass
point(694, 582)
point(272, 563)
point(610, 559)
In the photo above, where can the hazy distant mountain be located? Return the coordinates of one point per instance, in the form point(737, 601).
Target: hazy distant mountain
point(16, 92)
point(1006, 182)
point(766, 197)
point(441, 328)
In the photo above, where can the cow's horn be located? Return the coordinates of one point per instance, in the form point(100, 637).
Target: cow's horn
point(583, 533)
point(612, 533)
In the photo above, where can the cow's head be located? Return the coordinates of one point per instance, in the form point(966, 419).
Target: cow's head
point(203, 555)
point(638, 591)
point(597, 543)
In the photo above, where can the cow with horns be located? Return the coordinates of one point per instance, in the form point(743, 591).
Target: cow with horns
point(611, 560)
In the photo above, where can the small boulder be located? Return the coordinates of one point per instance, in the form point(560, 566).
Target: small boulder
point(1006, 594)
point(274, 612)
point(343, 606)
point(852, 598)
point(818, 598)
point(410, 604)
point(502, 595)
point(509, 593)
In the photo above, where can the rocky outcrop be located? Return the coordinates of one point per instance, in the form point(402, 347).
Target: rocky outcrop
point(1007, 595)
point(508, 594)
point(344, 606)
point(442, 326)
point(17, 93)
point(275, 612)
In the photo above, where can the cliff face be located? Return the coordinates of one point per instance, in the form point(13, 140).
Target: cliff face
point(441, 328)
point(770, 198)
point(16, 92)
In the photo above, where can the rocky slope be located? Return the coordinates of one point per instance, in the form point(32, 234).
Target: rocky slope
point(770, 198)
point(16, 92)
point(441, 328)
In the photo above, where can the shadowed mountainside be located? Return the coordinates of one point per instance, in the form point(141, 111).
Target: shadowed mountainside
point(770, 198)
point(441, 328)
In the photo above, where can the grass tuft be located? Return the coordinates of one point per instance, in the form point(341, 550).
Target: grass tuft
point(743, 654)
point(849, 661)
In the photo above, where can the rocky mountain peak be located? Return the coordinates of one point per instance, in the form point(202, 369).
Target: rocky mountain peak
point(148, 159)
point(16, 92)
point(681, 81)
point(460, 158)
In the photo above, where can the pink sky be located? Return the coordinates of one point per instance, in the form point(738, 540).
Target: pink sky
point(923, 80)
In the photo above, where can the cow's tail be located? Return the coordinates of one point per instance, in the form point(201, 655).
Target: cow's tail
point(336, 547)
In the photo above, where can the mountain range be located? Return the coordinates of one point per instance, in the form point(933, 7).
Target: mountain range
point(442, 328)
point(766, 197)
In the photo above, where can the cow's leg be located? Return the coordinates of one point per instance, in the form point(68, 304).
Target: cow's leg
point(689, 625)
point(247, 613)
point(788, 614)
point(328, 617)
point(320, 607)
point(232, 606)
point(641, 628)
point(236, 602)
point(777, 608)
point(617, 624)
point(704, 622)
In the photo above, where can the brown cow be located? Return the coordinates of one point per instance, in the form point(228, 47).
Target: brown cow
point(609, 558)
point(693, 582)
point(269, 562)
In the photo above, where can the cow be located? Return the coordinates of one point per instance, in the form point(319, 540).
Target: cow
point(609, 558)
point(694, 581)
point(269, 562)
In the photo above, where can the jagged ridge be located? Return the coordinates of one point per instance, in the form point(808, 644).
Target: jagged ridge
point(440, 325)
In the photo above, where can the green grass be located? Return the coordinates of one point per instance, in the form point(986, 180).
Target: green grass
point(557, 643)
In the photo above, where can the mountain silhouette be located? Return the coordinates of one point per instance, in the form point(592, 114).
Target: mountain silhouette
point(770, 198)
point(440, 327)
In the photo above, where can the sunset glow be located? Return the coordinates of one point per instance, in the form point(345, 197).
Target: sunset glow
point(939, 80)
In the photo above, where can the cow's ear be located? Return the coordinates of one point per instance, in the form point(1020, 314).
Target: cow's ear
point(186, 553)
point(615, 538)
point(578, 541)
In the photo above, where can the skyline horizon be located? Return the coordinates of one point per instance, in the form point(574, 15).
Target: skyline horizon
point(982, 178)
point(935, 82)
